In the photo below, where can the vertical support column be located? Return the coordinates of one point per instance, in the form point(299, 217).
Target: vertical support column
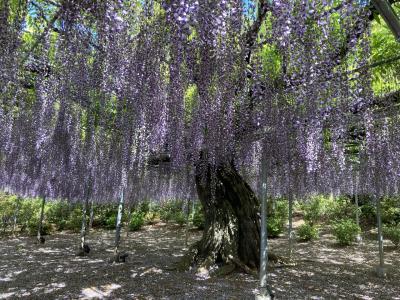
point(84, 249)
point(381, 272)
point(119, 223)
point(91, 214)
point(290, 233)
point(358, 238)
point(16, 211)
point(264, 290)
point(40, 225)
point(187, 222)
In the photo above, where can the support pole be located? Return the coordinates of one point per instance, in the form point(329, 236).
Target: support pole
point(187, 223)
point(84, 249)
point(17, 206)
point(290, 233)
point(358, 238)
point(40, 225)
point(381, 272)
point(264, 293)
point(91, 215)
point(119, 224)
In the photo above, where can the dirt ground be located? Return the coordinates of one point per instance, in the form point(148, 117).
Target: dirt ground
point(52, 271)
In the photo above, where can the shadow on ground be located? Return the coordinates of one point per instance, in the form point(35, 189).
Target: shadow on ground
point(52, 271)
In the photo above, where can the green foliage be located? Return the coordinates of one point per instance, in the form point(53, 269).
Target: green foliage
point(392, 233)
point(74, 220)
point(171, 210)
point(198, 216)
point(110, 222)
point(136, 221)
point(33, 226)
point(384, 46)
point(274, 227)
point(104, 216)
point(390, 210)
point(346, 231)
point(368, 213)
point(339, 209)
point(308, 232)
point(315, 209)
point(7, 209)
point(58, 213)
point(145, 207)
point(277, 216)
point(180, 218)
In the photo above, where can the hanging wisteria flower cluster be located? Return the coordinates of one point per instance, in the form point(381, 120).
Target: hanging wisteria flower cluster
point(112, 93)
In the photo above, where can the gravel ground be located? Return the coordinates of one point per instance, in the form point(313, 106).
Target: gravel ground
point(52, 271)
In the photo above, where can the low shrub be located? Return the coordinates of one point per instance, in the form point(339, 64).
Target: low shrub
point(308, 232)
point(111, 221)
point(198, 216)
point(368, 213)
point(390, 208)
point(57, 210)
point(274, 226)
point(339, 209)
point(392, 233)
point(74, 221)
point(137, 221)
point(105, 215)
point(346, 231)
point(179, 217)
point(277, 217)
point(314, 209)
point(33, 225)
point(169, 210)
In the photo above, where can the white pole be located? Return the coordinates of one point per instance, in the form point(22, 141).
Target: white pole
point(91, 215)
point(381, 269)
point(16, 211)
point(290, 224)
point(119, 223)
point(83, 226)
point(359, 238)
point(40, 226)
point(264, 291)
point(187, 222)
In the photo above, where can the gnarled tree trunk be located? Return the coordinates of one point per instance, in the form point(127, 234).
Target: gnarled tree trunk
point(232, 230)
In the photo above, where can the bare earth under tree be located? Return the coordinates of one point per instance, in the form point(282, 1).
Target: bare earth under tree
point(323, 270)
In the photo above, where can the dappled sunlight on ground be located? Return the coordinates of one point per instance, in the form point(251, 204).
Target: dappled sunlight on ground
point(99, 292)
point(323, 271)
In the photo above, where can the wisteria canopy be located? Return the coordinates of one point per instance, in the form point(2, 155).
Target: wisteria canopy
point(141, 95)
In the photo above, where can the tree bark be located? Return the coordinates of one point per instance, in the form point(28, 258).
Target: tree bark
point(232, 230)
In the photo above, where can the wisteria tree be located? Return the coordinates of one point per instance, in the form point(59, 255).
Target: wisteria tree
point(101, 95)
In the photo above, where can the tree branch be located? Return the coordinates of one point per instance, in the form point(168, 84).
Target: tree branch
point(251, 35)
point(42, 36)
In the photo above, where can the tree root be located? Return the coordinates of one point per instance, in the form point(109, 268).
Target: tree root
point(120, 257)
point(83, 251)
point(229, 265)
